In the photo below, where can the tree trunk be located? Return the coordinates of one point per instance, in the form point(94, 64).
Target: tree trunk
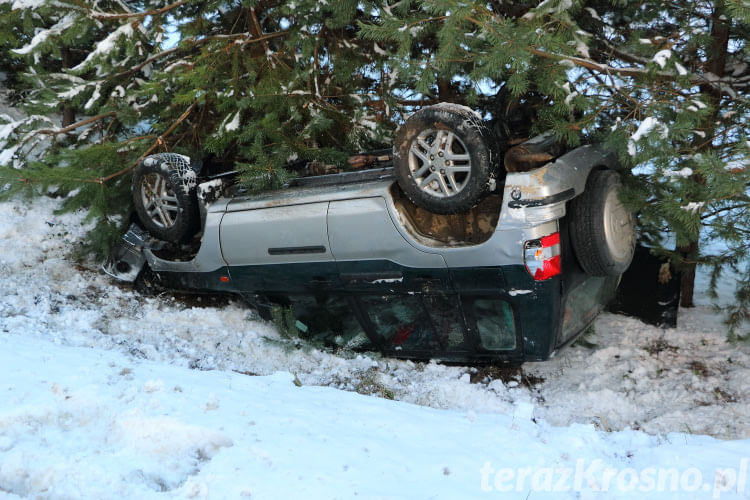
point(69, 115)
point(445, 90)
point(716, 64)
point(68, 111)
point(687, 281)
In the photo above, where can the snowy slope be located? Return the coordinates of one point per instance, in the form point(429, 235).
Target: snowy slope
point(99, 424)
point(110, 394)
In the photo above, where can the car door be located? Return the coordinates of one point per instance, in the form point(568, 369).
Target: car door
point(278, 248)
point(371, 254)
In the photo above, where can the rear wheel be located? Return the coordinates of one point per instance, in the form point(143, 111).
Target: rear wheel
point(164, 197)
point(602, 229)
point(444, 159)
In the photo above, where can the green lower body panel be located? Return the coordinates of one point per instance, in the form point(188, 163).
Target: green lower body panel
point(473, 314)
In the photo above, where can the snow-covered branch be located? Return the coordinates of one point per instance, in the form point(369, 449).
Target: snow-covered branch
point(64, 23)
point(69, 128)
point(125, 30)
point(724, 84)
point(125, 15)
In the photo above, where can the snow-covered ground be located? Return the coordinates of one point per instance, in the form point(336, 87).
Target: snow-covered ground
point(106, 393)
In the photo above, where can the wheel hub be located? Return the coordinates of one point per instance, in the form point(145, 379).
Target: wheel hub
point(619, 226)
point(439, 163)
point(159, 200)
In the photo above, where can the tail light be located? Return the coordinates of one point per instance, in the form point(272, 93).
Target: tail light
point(542, 257)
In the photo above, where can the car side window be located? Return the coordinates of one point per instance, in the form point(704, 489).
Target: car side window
point(400, 321)
point(584, 302)
point(494, 321)
point(328, 319)
point(420, 322)
point(447, 318)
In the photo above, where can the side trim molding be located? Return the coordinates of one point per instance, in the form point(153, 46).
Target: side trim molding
point(296, 250)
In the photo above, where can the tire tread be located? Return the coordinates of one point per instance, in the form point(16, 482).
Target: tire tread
point(587, 225)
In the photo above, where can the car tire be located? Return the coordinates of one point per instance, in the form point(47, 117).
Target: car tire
point(444, 158)
point(164, 197)
point(602, 230)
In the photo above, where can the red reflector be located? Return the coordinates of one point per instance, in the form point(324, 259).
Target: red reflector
point(542, 257)
point(224, 279)
point(551, 240)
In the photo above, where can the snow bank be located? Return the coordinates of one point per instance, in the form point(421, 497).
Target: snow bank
point(108, 393)
point(688, 379)
point(87, 423)
point(47, 297)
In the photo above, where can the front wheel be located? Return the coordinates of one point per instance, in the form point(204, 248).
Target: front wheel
point(602, 229)
point(164, 197)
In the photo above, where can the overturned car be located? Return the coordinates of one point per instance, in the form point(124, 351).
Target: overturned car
point(447, 249)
